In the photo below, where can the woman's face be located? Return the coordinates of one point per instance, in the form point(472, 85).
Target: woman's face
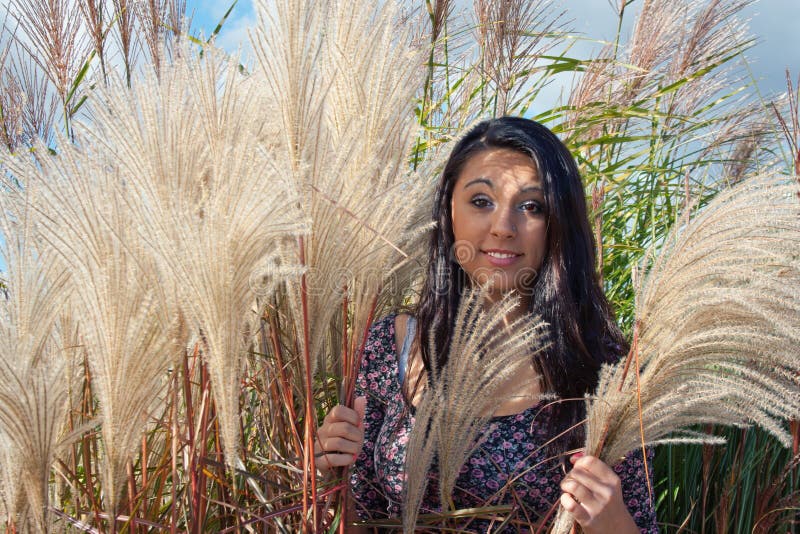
point(500, 220)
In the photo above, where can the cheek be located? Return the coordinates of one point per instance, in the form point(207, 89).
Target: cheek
point(464, 251)
point(537, 245)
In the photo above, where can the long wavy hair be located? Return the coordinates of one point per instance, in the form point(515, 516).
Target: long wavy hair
point(566, 292)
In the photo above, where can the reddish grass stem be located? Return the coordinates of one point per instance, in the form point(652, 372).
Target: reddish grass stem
point(285, 387)
point(633, 356)
point(346, 355)
point(352, 365)
point(628, 359)
point(309, 463)
point(131, 494)
point(174, 457)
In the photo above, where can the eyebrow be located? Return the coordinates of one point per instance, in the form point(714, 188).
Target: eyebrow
point(479, 181)
point(487, 181)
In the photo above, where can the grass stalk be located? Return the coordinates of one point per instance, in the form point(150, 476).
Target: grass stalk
point(174, 451)
point(309, 461)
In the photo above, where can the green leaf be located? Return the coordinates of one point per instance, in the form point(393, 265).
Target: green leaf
point(79, 78)
point(221, 22)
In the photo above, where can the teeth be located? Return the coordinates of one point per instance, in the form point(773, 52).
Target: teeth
point(500, 255)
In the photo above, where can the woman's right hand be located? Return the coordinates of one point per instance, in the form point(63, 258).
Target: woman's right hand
point(340, 437)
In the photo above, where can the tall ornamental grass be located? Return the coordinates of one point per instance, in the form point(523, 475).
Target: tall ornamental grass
point(196, 246)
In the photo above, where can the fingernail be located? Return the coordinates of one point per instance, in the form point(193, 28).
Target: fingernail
point(575, 457)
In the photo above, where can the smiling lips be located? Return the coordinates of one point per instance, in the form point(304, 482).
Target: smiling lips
point(501, 258)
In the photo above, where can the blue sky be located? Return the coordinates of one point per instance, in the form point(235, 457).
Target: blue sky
point(775, 24)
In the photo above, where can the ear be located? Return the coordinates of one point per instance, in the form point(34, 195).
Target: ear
point(360, 406)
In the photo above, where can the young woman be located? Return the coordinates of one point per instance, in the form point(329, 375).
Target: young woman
point(510, 214)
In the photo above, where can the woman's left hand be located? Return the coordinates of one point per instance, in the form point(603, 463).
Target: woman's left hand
point(593, 495)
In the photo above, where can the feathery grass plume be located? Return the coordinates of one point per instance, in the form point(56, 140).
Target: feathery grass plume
point(56, 40)
point(11, 499)
point(486, 354)
point(208, 200)
point(12, 100)
point(346, 132)
point(33, 381)
point(342, 75)
point(374, 67)
point(715, 32)
point(152, 16)
point(404, 278)
point(177, 14)
point(647, 124)
point(39, 102)
point(127, 38)
point(11, 96)
point(617, 78)
point(94, 17)
point(788, 118)
point(513, 35)
point(673, 46)
point(287, 43)
point(28, 102)
point(126, 318)
point(716, 332)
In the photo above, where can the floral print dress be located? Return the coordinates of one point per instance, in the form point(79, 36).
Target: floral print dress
point(509, 466)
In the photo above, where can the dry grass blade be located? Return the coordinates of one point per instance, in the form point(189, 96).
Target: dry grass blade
point(485, 355)
point(717, 329)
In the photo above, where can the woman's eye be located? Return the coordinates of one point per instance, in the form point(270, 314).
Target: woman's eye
point(531, 206)
point(480, 202)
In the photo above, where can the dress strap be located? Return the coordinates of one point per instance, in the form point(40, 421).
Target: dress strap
point(402, 358)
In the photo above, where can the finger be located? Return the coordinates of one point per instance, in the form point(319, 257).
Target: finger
point(326, 462)
point(598, 468)
point(341, 430)
point(342, 414)
point(597, 493)
point(360, 406)
point(578, 491)
point(577, 510)
point(575, 457)
point(340, 445)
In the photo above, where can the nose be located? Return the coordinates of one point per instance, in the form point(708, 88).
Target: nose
point(503, 224)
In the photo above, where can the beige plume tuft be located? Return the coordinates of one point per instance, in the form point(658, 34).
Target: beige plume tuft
point(486, 354)
point(33, 379)
point(208, 200)
point(717, 330)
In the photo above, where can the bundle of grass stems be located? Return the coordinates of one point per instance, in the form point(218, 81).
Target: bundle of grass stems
point(204, 218)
